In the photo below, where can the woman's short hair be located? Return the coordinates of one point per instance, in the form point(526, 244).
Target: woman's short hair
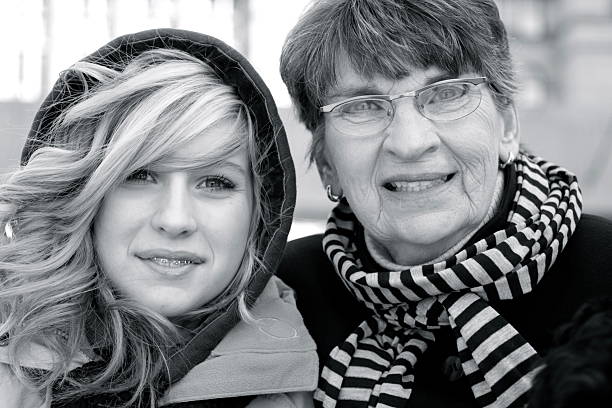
point(51, 288)
point(391, 38)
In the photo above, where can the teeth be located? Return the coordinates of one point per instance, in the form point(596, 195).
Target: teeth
point(171, 263)
point(415, 186)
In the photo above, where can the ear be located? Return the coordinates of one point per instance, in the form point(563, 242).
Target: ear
point(510, 139)
point(327, 173)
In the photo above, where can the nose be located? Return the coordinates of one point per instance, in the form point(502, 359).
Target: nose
point(174, 215)
point(410, 134)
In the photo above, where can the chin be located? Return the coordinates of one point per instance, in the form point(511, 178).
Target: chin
point(433, 229)
point(173, 311)
point(169, 305)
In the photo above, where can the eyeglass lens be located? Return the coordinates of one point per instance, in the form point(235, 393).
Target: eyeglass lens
point(444, 102)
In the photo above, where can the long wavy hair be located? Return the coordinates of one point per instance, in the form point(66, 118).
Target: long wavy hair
point(52, 290)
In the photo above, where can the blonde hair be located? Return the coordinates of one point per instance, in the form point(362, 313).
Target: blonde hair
point(52, 290)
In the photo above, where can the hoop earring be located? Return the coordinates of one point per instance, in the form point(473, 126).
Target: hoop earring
point(509, 160)
point(331, 196)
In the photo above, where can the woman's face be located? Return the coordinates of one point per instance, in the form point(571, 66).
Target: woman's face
point(419, 186)
point(173, 240)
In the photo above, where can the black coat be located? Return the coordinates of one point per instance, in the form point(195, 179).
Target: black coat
point(581, 272)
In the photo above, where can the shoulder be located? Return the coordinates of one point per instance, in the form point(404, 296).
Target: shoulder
point(329, 310)
point(33, 355)
point(586, 261)
point(308, 249)
point(36, 355)
point(304, 264)
point(592, 233)
point(271, 354)
point(581, 272)
point(289, 400)
point(276, 325)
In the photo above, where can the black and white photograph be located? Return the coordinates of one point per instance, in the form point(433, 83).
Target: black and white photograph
point(306, 203)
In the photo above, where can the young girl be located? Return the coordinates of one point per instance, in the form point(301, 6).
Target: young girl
point(140, 236)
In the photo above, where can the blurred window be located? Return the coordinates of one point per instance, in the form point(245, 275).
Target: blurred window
point(43, 37)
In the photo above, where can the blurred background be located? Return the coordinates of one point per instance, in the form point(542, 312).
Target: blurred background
point(562, 49)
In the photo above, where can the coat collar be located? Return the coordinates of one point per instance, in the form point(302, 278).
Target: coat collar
point(271, 354)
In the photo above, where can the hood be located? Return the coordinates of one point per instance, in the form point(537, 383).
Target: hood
point(279, 177)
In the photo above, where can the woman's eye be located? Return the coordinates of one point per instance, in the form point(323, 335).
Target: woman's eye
point(215, 183)
point(365, 105)
point(140, 176)
point(448, 93)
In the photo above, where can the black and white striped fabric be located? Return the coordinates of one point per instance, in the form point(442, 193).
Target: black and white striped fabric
point(374, 367)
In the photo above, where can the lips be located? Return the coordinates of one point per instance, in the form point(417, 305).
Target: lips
point(170, 263)
point(415, 184)
point(170, 259)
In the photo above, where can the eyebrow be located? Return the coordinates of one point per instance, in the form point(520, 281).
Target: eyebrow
point(350, 91)
point(191, 166)
point(230, 165)
point(220, 166)
point(369, 89)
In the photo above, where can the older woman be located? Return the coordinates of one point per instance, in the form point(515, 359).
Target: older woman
point(451, 255)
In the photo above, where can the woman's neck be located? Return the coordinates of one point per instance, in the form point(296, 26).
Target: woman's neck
point(383, 257)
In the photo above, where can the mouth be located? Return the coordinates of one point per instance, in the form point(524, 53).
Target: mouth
point(170, 259)
point(418, 184)
point(170, 262)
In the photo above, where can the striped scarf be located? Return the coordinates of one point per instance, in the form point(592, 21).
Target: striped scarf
point(374, 367)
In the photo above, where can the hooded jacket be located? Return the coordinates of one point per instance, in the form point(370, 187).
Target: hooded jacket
point(227, 363)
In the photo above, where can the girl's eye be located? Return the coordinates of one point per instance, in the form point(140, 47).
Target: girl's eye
point(217, 183)
point(140, 176)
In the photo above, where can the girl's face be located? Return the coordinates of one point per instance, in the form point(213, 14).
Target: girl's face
point(174, 239)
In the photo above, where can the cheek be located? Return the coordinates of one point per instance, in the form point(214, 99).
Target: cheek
point(478, 166)
point(476, 150)
point(238, 225)
point(477, 157)
point(227, 224)
point(107, 245)
point(355, 163)
point(114, 228)
point(104, 231)
point(120, 212)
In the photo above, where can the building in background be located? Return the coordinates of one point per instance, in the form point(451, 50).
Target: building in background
point(563, 50)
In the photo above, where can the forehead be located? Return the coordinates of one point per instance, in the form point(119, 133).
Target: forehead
point(212, 139)
point(349, 82)
point(220, 143)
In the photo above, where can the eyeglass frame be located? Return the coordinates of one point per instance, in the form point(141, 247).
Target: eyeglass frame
point(415, 93)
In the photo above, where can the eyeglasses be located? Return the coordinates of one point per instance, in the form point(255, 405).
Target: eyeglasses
point(442, 101)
